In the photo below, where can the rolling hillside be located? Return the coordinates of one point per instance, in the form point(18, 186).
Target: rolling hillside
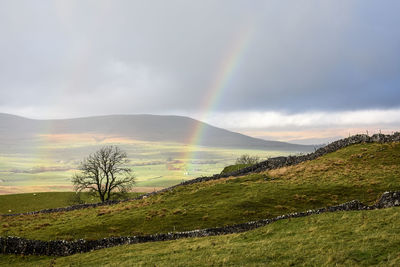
point(42, 155)
point(153, 128)
point(358, 238)
point(362, 172)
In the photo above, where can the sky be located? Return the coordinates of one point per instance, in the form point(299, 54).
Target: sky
point(300, 71)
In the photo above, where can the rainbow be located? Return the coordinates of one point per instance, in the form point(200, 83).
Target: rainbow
point(226, 70)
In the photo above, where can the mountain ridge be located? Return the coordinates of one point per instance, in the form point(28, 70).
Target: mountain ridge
point(144, 127)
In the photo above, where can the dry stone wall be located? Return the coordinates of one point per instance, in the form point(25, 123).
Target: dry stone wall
point(21, 246)
point(272, 163)
point(279, 162)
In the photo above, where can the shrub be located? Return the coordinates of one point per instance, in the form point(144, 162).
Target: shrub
point(247, 159)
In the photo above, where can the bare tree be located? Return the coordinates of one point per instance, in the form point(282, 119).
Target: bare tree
point(105, 173)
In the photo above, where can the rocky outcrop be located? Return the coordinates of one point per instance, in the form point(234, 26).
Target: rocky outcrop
point(17, 245)
point(388, 199)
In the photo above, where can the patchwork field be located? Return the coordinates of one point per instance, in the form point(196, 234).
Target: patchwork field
point(50, 163)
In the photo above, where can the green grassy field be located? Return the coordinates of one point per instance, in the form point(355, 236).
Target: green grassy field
point(18, 203)
point(357, 238)
point(360, 172)
point(49, 166)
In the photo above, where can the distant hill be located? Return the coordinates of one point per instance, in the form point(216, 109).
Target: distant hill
point(155, 128)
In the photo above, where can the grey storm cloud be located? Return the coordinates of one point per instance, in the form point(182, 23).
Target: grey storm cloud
point(73, 58)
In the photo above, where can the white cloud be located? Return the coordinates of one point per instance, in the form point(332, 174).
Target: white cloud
point(317, 119)
point(99, 57)
point(308, 127)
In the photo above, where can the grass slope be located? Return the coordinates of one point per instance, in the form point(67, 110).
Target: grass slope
point(19, 203)
point(235, 167)
point(360, 172)
point(358, 238)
